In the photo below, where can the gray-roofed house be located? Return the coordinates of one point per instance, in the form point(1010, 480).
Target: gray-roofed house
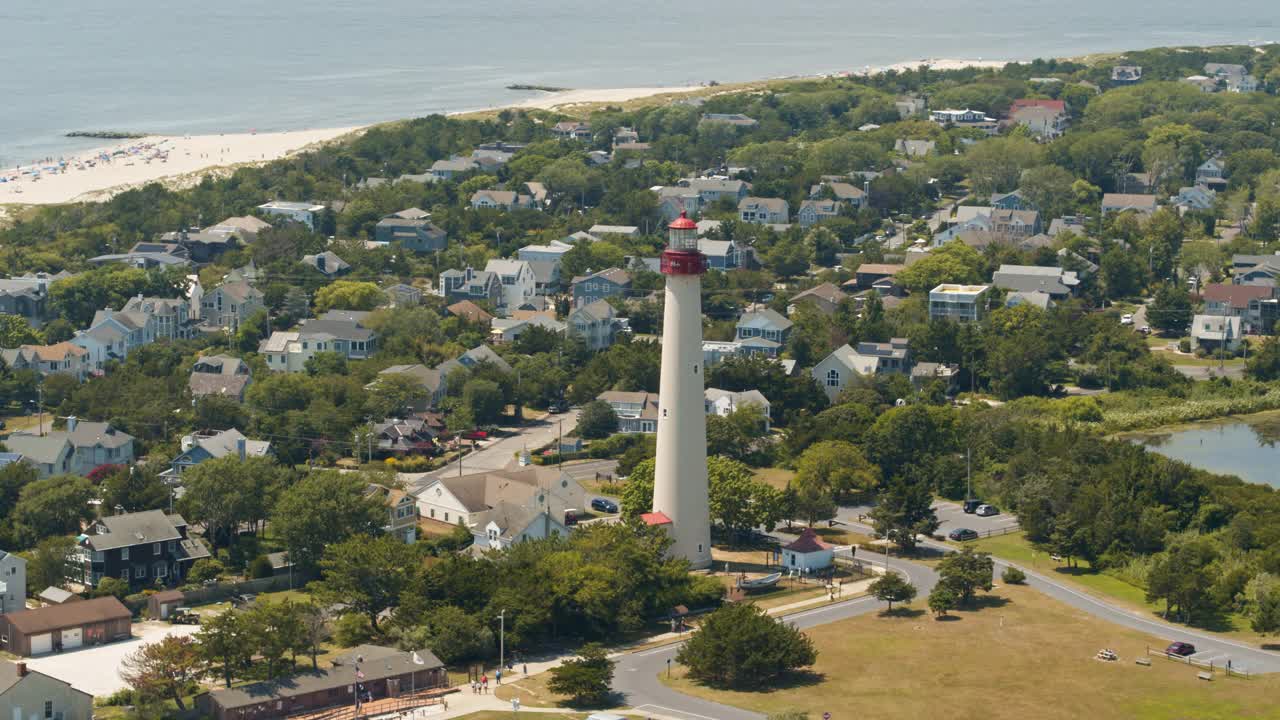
point(91, 444)
point(471, 284)
point(13, 582)
point(301, 212)
point(637, 411)
point(449, 168)
point(230, 304)
point(26, 693)
point(595, 323)
point(914, 148)
point(613, 282)
point(711, 190)
point(489, 502)
point(766, 323)
point(725, 402)
point(416, 234)
point(289, 351)
point(813, 212)
point(1121, 202)
point(219, 375)
point(675, 200)
point(1056, 282)
point(431, 380)
point(211, 445)
point(518, 281)
point(766, 211)
point(721, 254)
point(502, 200)
point(246, 227)
point(401, 295)
point(328, 263)
point(1068, 223)
point(509, 329)
point(26, 296)
point(834, 373)
point(1037, 298)
point(373, 671)
point(143, 548)
point(825, 297)
point(734, 119)
point(48, 454)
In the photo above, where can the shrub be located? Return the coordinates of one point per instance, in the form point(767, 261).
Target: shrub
point(1013, 576)
point(585, 679)
point(1184, 345)
point(260, 568)
point(597, 420)
point(204, 570)
point(352, 629)
point(121, 697)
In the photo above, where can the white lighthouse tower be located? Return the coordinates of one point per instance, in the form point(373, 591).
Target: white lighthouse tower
point(680, 472)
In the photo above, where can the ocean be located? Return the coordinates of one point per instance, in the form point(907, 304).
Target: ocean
point(236, 65)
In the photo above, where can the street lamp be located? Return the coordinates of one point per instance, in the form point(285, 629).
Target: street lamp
point(502, 639)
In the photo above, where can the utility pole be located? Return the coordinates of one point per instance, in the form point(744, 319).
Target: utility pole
point(560, 444)
point(40, 405)
point(502, 639)
point(968, 473)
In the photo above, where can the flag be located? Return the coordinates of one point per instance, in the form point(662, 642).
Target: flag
point(417, 659)
point(359, 673)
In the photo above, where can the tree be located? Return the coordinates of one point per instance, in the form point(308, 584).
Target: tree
point(740, 645)
point(49, 564)
point(1013, 576)
point(966, 572)
point(366, 574)
point(905, 510)
point(15, 331)
point(322, 509)
point(891, 588)
point(739, 502)
point(1170, 311)
point(348, 295)
point(327, 362)
point(586, 679)
point(205, 570)
point(1050, 189)
point(941, 599)
point(452, 634)
point(736, 435)
point(1263, 596)
point(135, 489)
point(225, 641)
point(1180, 575)
point(226, 492)
point(810, 502)
point(113, 586)
point(1265, 363)
point(276, 629)
point(597, 420)
point(837, 467)
point(394, 395)
point(483, 399)
point(954, 262)
point(164, 668)
point(996, 165)
point(1121, 273)
point(52, 506)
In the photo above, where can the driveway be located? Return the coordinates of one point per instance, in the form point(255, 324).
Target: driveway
point(96, 670)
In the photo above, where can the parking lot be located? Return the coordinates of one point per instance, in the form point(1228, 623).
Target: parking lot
point(950, 516)
point(95, 670)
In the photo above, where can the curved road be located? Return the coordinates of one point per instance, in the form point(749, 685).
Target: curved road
point(636, 675)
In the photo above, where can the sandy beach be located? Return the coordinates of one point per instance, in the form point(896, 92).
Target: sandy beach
point(98, 174)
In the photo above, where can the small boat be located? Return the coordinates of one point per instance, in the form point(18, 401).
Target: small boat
point(767, 581)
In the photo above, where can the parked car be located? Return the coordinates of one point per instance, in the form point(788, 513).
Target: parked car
point(1126, 319)
point(985, 510)
point(557, 406)
point(604, 505)
point(570, 517)
point(1181, 649)
point(963, 534)
point(971, 505)
point(1145, 329)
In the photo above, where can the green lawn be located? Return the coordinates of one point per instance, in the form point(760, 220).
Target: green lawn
point(1023, 655)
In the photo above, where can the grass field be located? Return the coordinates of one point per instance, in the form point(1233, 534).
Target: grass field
point(775, 477)
point(1016, 548)
point(532, 692)
point(1024, 655)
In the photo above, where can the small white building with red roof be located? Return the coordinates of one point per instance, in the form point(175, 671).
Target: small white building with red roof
point(807, 553)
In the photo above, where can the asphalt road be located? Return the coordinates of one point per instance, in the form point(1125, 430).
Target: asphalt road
point(950, 516)
point(501, 453)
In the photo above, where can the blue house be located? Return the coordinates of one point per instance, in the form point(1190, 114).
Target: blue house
point(613, 282)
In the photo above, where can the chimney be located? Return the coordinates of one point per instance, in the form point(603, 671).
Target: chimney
point(71, 423)
point(320, 262)
point(240, 447)
point(21, 667)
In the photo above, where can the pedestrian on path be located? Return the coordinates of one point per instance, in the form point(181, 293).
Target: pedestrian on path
point(498, 676)
point(526, 668)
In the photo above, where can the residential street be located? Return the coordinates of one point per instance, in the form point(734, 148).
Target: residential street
point(500, 453)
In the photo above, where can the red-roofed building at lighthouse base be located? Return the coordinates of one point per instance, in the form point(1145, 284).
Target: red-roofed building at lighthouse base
point(807, 553)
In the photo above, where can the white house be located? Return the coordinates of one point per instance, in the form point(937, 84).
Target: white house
point(302, 212)
point(834, 373)
point(724, 402)
point(500, 506)
point(1214, 331)
point(551, 252)
point(595, 323)
point(13, 582)
point(807, 553)
point(518, 281)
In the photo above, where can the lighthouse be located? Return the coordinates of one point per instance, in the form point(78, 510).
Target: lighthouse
point(680, 469)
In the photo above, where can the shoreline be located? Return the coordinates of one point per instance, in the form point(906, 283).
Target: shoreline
point(98, 174)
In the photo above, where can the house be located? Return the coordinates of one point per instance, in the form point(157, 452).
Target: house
point(402, 511)
point(807, 553)
point(289, 351)
point(1043, 121)
point(448, 169)
point(1038, 298)
point(834, 372)
point(587, 289)
point(675, 201)
point(825, 297)
point(431, 380)
point(299, 212)
point(765, 323)
point(91, 444)
point(508, 330)
point(26, 296)
point(908, 106)
point(1216, 331)
point(1195, 197)
point(27, 694)
point(1255, 269)
point(1058, 283)
point(142, 260)
point(1014, 225)
point(914, 148)
point(401, 295)
point(211, 445)
point(1011, 201)
point(478, 355)
point(630, 231)
point(546, 277)
point(469, 284)
point(867, 274)
point(734, 119)
point(221, 375)
point(637, 411)
point(928, 372)
point(13, 582)
point(371, 671)
point(625, 135)
point(768, 211)
point(712, 190)
point(1235, 78)
point(1126, 74)
point(518, 281)
point(813, 212)
point(553, 252)
point(1212, 174)
point(328, 263)
point(1068, 223)
point(245, 227)
point(1122, 202)
point(725, 402)
point(416, 234)
point(230, 305)
point(508, 200)
point(1255, 305)
point(144, 548)
point(396, 437)
point(966, 118)
point(62, 358)
point(572, 130)
point(595, 323)
point(203, 247)
point(963, 303)
point(470, 312)
point(167, 318)
point(501, 507)
point(65, 627)
point(1202, 82)
point(53, 595)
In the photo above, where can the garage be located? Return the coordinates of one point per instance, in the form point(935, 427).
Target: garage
point(72, 638)
point(41, 644)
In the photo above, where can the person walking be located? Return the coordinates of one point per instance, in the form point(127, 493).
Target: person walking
point(498, 677)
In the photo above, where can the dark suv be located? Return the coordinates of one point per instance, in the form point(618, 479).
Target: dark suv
point(962, 534)
point(604, 505)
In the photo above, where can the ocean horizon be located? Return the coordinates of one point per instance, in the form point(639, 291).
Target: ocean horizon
point(151, 67)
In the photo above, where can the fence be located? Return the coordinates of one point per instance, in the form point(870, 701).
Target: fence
point(1210, 665)
point(223, 591)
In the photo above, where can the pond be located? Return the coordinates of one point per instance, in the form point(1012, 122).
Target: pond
point(1247, 446)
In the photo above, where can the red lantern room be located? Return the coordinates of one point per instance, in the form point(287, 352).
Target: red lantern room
point(682, 256)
